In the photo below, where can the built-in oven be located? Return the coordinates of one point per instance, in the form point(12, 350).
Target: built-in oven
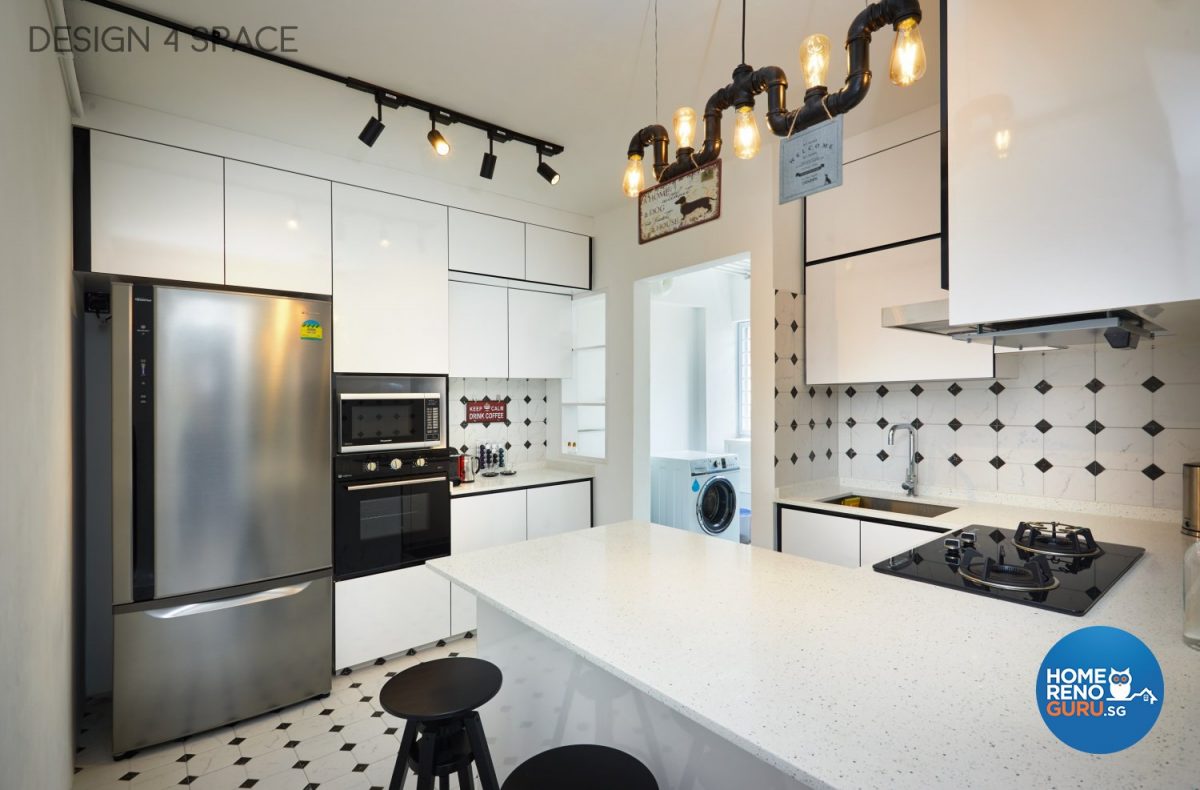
point(391, 511)
point(381, 413)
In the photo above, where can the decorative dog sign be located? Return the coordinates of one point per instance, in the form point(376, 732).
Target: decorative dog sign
point(811, 161)
point(691, 199)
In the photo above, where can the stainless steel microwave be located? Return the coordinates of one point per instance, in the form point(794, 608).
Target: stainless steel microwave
point(372, 421)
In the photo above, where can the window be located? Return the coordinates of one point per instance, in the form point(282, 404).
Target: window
point(583, 394)
point(743, 378)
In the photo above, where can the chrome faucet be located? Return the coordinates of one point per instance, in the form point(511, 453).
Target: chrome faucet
point(910, 478)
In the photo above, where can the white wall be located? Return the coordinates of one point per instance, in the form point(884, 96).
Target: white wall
point(36, 551)
point(751, 223)
point(677, 376)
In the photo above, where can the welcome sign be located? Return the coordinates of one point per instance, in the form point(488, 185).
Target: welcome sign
point(681, 203)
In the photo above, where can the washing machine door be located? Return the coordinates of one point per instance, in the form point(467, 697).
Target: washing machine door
point(716, 505)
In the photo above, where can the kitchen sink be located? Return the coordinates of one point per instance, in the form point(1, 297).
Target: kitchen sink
point(902, 506)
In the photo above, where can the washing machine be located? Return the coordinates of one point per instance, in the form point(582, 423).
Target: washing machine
point(697, 492)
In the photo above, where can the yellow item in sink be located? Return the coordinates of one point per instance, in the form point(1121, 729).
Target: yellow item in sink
point(852, 501)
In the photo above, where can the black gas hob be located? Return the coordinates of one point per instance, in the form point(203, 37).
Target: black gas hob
point(1044, 564)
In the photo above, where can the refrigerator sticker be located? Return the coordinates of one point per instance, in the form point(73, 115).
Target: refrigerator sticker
point(311, 330)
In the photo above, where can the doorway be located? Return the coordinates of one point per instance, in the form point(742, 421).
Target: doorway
point(699, 398)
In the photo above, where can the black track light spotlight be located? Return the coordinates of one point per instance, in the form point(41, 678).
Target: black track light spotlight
point(440, 145)
point(374, 127)
point(546, 171)
point(488, 166)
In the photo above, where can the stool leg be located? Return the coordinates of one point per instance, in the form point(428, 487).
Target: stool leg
point(400, 772)
point(483, 757)
point(465, 780)
point(427, 749)
point(444, 782)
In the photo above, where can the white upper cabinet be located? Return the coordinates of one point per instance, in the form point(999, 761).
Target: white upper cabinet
point(277, 229)
point(473, 353)
point(539, 335)
point(390, 300)
point(561, 508)
point(156, 211)
point(483, 244)
point(557, 257)
point(887, 196)
point(1073, 177)
point(845, 342)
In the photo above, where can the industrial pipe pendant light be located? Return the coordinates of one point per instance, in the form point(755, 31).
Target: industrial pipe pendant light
point(907, 65)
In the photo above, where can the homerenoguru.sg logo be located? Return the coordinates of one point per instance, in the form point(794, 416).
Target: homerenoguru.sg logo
point(1099, 689)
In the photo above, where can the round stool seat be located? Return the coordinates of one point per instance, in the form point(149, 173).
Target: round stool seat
point(442, 689)
point(581, 767)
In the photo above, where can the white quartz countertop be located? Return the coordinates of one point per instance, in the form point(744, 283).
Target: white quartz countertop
point(526, 477)
point(845, 677)
point(1110, 520)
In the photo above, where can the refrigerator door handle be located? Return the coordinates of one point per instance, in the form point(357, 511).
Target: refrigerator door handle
point(186, 610)
point(122, 443)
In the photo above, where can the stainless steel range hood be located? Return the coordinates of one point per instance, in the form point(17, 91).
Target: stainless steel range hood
point(1119, 328)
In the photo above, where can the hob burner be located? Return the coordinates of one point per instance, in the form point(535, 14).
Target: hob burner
point(1032, 576)
point(1055, 539)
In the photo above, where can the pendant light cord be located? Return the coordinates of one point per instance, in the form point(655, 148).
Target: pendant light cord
point(743, 32)
point(656, 59)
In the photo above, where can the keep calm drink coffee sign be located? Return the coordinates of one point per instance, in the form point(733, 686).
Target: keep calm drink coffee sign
point(681, 203)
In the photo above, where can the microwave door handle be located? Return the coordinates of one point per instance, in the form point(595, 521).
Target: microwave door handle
point(398, 483)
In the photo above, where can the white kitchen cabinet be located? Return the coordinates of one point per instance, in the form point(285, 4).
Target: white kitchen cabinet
point(878, 542)
point(480, 522)
point(390, 286)
point(484, 244)
point(277, 229)
point(888, 196)
point(156, 211)
point(557, 257)
point(478, 331)
point(1058, 204)
point(387, 613)
point(845, 341)
point(561, 508)
point(539, 335)
point(819, 536)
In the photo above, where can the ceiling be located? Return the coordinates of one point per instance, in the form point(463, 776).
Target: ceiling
point(576, 73)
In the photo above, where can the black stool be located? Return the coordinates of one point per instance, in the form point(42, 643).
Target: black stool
point(581, 767)
point(442, 733)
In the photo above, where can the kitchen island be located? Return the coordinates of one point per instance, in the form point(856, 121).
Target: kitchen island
point(721, 665)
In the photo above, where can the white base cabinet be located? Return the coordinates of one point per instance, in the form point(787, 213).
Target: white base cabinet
point(844, 540)
point(485, 520)
point(818, 536)
point(387, 613)
point(554, 510)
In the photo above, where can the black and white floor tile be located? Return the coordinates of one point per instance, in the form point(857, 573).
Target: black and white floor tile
point(342, 742)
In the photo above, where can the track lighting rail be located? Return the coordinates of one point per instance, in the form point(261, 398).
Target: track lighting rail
point(385, 96)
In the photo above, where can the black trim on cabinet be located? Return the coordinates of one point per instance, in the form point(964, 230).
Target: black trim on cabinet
point(780, 507)
point(880, 248)
point(81, 198)
point(506, 489)
point(945, 157)
point(504, 282)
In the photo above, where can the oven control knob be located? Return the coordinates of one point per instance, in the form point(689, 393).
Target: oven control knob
point(396, 463)
point(968, 538)
point(420, 462)
point(370, 466)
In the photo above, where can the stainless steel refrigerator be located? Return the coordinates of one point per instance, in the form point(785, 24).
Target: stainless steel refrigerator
point(222, 586)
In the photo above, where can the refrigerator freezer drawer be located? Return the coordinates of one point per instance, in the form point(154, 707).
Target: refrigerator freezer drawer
point(185, 667)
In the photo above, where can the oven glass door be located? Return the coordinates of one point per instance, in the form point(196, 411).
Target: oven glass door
point(382, 525)
point(389, 421)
